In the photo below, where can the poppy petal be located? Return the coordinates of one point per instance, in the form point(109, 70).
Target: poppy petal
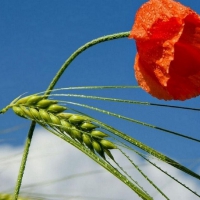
point(167, 36)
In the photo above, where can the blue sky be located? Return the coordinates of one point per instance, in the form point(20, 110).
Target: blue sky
point(38, 36)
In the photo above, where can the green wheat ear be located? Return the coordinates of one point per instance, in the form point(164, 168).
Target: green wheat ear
point(79, 130)
point(84, 132)
point(50, 113)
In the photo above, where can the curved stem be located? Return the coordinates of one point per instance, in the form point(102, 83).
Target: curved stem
point(48, 91)
point(80, 50)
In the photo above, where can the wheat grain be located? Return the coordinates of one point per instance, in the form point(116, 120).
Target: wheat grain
point(54, 119)
point(22, 100)
point(26, 111)
point(32, 100)
point(98, 148)
point(87, 141)
point(87, 126)
point(18, 111)
point(54, 108)
point(64, 115)
point(35, 113)
point(44, 103)
point(45, 116)
point(107, 144)
point(77, 119)
point(98, 134)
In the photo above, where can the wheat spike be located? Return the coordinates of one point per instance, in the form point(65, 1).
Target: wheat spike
point(78, 127)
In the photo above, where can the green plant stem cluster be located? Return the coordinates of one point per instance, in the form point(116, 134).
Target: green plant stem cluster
point(48, 91)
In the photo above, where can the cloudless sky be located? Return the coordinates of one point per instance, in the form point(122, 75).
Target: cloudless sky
point(38, 36)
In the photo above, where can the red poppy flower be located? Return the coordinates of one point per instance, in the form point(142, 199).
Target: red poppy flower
point(167, 36)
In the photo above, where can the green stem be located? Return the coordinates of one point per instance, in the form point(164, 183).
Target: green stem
point(24, 159)
point(80, 50)
point(48, 91)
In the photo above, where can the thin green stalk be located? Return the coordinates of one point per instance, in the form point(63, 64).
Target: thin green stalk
point(144, 175)
point(167, 174)
point(24, 159)
point(125, 101)
point(80, 50)
point(48, 91)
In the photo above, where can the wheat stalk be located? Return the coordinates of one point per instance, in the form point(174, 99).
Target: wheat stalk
point(81, 128)
point(77, 129)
